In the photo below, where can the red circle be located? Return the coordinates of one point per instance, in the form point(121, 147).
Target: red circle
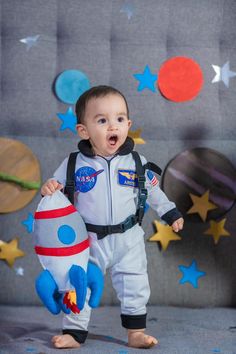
point(180, 79)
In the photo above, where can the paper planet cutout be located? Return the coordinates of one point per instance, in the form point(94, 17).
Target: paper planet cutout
point(17, 160)
point(196, 171)
point(70, 85)
point(180, 79)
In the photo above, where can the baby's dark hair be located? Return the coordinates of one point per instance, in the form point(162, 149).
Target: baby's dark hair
point(94, 92)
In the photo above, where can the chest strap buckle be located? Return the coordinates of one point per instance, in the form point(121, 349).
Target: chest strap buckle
point(104, 230)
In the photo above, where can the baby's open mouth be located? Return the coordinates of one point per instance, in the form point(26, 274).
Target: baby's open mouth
point(113, 140)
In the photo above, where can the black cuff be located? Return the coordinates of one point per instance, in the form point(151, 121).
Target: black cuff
point(78, 334)
point(133, 321)
point(171, 216)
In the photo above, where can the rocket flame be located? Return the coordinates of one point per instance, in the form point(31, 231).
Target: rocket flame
point(70, 301)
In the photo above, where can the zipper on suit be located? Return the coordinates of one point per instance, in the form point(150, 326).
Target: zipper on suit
point(109, 183)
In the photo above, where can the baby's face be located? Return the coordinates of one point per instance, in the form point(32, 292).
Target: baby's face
point(106, 124)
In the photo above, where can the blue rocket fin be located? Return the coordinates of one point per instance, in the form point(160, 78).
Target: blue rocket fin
point(78, 279)
point(95, 283)
point(59, 297)
point(47, 291)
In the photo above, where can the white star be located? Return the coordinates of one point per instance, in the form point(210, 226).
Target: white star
point(223, 74)
point(128, 9)
point(19, 271)
point(30, 41)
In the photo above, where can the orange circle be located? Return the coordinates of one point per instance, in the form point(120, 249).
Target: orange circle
point(180, 79)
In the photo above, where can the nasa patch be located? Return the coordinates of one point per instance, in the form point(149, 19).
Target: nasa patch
point(86, 178)
point(127, 178)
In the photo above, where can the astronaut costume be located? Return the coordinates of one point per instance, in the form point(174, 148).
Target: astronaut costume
point(105, 194)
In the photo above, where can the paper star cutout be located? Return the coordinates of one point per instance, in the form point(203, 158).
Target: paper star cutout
point(217, 230)
point(19, 271)
point(164, 235)
point(10, 251)
point(69, 120)
point(30, 41)
point(201, 205)
point(223, 74)
point(28, 223)
point(191, 274)
point(146, 80)
point(135, 135)
point(128, 9)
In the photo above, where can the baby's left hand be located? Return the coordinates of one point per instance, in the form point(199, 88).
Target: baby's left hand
point(178, 224)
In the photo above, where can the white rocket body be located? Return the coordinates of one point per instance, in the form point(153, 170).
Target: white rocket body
point(61, 238)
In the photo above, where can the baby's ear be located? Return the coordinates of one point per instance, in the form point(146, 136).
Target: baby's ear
point(82, 131)
point(130, 123)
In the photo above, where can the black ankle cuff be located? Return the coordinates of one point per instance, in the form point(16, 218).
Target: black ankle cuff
point(78, 334)
point(133, 321)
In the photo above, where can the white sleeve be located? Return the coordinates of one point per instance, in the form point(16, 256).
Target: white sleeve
point(157, 199)
point(60, 173)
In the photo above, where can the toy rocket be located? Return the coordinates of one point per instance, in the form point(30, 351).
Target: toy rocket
point(62, 245)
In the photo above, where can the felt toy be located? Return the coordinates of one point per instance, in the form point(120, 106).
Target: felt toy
point(62, 245)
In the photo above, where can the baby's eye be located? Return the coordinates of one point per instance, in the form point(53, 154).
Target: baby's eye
point(120, 119)
point(102, 121)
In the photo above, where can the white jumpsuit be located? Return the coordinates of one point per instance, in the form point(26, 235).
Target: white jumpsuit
point(106, 194)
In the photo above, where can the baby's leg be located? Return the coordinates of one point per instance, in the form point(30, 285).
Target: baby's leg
point(130, 280)
point(74, 328)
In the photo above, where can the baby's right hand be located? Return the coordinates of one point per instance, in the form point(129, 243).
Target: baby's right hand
point(51, 186)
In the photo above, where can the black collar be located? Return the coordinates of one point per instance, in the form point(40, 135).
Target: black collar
point(85, 147)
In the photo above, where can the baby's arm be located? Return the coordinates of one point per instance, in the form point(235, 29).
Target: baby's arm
point(161, 204)
point(164, 207)
point(51, 186)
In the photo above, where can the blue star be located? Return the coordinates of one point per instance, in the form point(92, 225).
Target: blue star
point(29, 223)
point(69, 120)
point(146, 80)
point(30, 41)
point(191, 274)
point(128, 9)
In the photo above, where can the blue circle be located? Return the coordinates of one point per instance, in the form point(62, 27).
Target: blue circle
point(66, 234)
point(86, 178)
point(70, 85)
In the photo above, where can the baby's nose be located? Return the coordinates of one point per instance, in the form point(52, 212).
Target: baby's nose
point(112, 126)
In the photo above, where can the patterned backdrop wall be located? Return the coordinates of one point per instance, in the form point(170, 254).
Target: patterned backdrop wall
point(175, 61)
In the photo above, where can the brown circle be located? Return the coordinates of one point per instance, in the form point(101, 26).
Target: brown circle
point(17, 159)
point(196, 171)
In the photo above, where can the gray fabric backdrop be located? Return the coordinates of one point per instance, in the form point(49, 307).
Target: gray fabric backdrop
point(99, 39)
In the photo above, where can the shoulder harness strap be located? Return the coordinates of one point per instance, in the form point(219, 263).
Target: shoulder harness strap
point(153, 167)
point(70, 177)
point(142, 195)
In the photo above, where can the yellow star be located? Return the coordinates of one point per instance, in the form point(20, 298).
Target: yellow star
point(217, 229)
point(135, 135)
point(201, 205)
point(164, 235)
point(10, 251)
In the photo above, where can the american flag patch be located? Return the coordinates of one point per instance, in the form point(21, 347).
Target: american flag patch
point(152, 178)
